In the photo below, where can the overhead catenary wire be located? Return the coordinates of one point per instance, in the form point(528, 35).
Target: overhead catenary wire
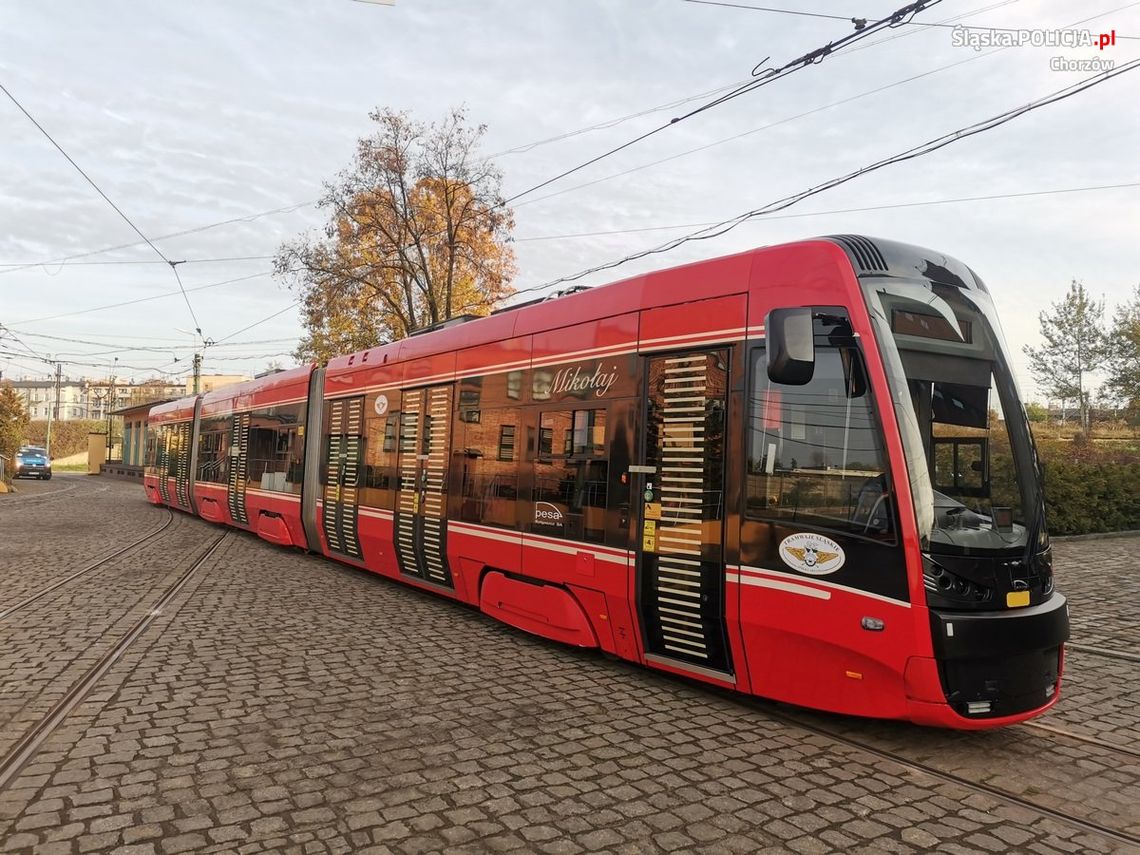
point(222, 343)
point(861, 210)
point(229, 351)
point(103, 364)
point(775, 124)
point(921, 75)
point(5, 331)
point(797, 116)
point(724, 226)
point(525, 147)
point(779, 11)
point(26, 264)
point(1000, 29)
point(225, 343)
point(258, 323)
point(8, 360)
point(908, 33)
point(899, 17)
point(173, 345)
point(6, 356)
point(107, 199)
point(761, 79)
point(247, 218)
point(146, 299)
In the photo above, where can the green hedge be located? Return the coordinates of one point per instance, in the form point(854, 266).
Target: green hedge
point(67, 437)
point(1089, 487)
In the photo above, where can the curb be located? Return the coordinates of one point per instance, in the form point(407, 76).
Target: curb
point(1100, 535)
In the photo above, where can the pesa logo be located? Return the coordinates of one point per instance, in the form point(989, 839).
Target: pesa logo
point(547, 514)
point(812, 554)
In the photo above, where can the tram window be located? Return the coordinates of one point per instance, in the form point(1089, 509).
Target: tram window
point(390, 426)
point(488, 468)
point(151, 445)
point(570, 476)
point(815, 452)
point(173, 451)
point(379, 483)
point(507, 442)
point(276, 448)
point(214, 449)
point(589, 433)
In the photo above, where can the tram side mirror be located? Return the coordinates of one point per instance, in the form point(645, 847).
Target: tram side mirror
point(791, 346)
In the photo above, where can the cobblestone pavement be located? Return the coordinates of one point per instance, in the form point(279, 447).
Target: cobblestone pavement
point(43, 538)
point(1101, 698)
point(52, 642)
point(1099, 577)
point(283, 703)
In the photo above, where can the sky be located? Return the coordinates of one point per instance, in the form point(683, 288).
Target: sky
point(190, 115)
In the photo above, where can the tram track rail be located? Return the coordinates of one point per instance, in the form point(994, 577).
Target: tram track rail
point(978, 787)
point(1081, 737)
point(90, 568)
point(1105, 652)
point(25, 748)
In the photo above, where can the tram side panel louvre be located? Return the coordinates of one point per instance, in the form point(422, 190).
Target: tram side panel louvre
point(339, 513)
point(332, 480)
point(434, 551)
point(162, 463)
point(239, 465)
point(353, 450)
point(425, 430)
point(682, 578)
point(182, 478)
point(406, 510)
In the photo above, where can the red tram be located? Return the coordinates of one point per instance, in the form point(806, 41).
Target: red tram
point(801, 472)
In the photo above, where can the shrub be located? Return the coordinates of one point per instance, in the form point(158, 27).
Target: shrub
point(67, 437)
point(1090, 488)
point(13, 424)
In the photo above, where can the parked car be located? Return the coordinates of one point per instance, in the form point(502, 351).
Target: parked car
point(32, 462)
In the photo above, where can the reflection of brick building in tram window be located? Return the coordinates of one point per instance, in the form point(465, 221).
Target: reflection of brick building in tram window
point(569, 474)
point(489, 451)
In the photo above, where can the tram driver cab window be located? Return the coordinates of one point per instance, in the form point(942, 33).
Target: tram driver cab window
point(815, 451)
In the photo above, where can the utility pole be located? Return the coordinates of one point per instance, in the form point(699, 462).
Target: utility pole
point(197, 372)
point(58, 384)
point(110, 407)
point(53, 413)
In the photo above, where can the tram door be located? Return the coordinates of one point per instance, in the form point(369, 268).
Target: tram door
point(239, 467)
point(680, 570)
point(421, 506)
point(344, 454)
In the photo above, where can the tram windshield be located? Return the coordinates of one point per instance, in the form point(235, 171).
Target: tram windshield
point(970, 456)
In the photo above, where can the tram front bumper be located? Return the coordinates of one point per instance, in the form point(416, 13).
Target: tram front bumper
point(990, 668)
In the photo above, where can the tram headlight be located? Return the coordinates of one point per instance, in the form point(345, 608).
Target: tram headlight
point(952, 588)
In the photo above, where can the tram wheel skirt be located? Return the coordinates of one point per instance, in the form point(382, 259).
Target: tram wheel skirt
point(545, 610)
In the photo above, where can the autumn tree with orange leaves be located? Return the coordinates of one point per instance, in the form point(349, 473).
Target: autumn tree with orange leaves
point(417, 234)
